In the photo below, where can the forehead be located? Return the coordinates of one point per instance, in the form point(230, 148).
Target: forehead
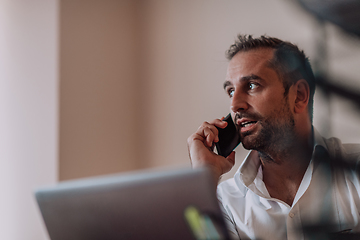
point(249, 63)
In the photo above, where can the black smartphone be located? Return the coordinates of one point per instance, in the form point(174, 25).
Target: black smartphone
point(229, 138)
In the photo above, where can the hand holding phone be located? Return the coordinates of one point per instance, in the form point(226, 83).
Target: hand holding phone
point(201, 142)
point(229, 138)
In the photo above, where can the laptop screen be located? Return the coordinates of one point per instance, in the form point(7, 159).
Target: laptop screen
point(153, 204)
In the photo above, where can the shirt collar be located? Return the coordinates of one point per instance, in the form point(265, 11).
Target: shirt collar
point(248, 170)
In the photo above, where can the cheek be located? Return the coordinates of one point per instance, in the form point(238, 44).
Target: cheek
point(266, 103)
point(269, 104)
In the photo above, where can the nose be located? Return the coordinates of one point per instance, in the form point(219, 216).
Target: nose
point(239, 102)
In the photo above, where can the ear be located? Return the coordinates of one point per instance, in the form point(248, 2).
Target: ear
point(302, 95)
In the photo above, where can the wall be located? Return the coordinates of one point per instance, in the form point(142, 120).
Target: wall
point(138, 77)
point(99, 88)
point(29, 112)
point(157, 68)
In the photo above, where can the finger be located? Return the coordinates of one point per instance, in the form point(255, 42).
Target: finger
point(219, 123)
point(208, 131)
point(209, 126)
point(209, 136)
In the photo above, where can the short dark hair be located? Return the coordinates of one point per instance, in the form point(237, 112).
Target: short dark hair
point(289, 61)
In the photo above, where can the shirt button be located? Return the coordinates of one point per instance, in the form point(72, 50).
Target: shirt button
point(291, 214)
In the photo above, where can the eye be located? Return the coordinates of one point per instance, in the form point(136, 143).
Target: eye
point(252, 85)
point(231, 92)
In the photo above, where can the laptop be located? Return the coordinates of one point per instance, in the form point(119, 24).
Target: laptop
point(175, 204)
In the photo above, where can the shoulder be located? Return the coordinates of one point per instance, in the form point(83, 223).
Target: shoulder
point(231, 189)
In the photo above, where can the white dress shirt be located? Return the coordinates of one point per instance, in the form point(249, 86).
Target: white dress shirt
point(328, 196)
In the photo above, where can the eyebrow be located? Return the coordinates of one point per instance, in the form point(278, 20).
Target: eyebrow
point(243, 79)
point(226, 84)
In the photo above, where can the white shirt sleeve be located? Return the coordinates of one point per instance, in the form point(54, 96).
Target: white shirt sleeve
point(230, 223)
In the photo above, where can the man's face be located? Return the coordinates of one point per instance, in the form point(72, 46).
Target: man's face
point(259, 108)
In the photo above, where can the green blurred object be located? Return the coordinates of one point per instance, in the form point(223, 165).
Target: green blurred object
point(201, 225)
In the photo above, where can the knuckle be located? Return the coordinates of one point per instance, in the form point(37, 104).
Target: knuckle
point(204, 125)
point(191, 138)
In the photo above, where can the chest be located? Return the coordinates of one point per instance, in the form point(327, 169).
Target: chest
point(283, 193)
point(325, 202)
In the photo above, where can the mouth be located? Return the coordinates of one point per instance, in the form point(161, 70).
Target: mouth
point(246, 125)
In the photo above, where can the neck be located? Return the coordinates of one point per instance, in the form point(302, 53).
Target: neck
point(283, 169)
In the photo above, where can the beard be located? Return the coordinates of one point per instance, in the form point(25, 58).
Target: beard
point(276, 133)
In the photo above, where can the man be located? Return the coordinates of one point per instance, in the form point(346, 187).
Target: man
point(288, 187)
